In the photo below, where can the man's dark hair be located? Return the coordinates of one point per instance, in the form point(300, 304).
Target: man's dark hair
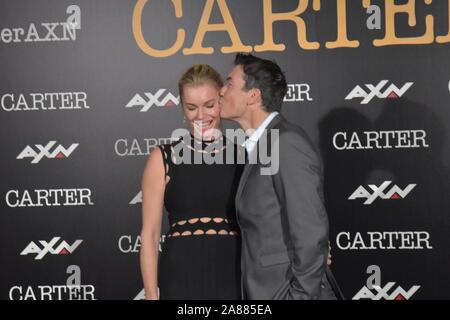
point(266, 76)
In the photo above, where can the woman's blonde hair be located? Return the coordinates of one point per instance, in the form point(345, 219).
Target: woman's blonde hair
point(197, 75)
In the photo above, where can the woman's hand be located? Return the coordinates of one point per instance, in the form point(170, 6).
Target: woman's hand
point(329, 254)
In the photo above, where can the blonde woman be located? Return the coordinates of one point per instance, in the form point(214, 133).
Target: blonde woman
point(200, 257)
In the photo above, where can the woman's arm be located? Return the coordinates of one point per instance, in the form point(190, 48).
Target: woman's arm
point(152, 186)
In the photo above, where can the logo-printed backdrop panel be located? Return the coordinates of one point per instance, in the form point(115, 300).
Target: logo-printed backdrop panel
point(89, 88)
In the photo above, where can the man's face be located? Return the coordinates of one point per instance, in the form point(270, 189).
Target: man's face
point(233, 97)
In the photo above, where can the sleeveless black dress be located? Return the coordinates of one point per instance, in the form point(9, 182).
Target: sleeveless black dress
point(200, 256)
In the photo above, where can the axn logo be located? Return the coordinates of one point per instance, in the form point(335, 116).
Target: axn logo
point(140, 295)
point(158, 99)
point(393, 193)
point(137, 198)
point(391, 92)
point(44, 247)
point(40, 151)
point(374, 291)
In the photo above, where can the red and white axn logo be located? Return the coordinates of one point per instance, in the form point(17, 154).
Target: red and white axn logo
point(41, 151)
point(150, 100)
point(391, 92)
point(379, 192)
point(49, 247)
point(374, 291)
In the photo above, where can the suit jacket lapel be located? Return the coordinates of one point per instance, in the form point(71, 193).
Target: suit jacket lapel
point(248, 167)
point(242, 181)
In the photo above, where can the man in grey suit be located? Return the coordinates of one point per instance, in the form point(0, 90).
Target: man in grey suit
point(284, 225)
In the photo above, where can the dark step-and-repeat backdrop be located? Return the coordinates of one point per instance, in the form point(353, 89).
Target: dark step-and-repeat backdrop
point(89, 88)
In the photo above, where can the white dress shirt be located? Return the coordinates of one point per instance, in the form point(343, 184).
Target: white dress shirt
point(251, 142)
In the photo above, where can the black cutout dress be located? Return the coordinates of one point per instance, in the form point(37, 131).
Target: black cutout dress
point(200, 256)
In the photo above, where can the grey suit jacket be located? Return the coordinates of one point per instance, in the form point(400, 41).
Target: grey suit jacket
point(284, 225)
